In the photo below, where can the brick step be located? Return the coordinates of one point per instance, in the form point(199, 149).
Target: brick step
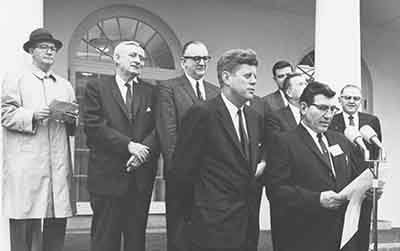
point(392, 246)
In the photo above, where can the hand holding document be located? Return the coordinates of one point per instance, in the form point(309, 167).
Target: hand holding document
point(63, 111)
point(355, 193)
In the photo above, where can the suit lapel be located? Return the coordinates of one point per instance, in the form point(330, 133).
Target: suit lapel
point(289, 117)
point(210, 93)
point(252, 130)
point(338, 123)
point(137, 97)
point(338, 164)
point(278, 99)
point(362, 120)
point(227, 124)
point(187, 87)
point(309, 141)
point(116, 93)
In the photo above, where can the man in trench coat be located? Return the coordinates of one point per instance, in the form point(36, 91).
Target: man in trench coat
point(36, 158)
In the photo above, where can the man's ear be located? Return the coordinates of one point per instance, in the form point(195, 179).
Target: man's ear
point(116, 58)
point(303, 107)
point(182, 61)
point(226, 76)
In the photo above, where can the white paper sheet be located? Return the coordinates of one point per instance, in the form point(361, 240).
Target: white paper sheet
point(354, 192)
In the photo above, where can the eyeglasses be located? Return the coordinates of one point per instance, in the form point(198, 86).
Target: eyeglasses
point(348, 98)
point(197, 59)
point(326, 108)
point(46, 47)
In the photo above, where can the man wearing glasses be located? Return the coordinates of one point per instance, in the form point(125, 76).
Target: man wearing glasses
point(351, 100)
point(175, 97)
point(36, 162)
point(308, 167)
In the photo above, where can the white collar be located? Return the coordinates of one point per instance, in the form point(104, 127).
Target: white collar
point(296, 112)
point(233, 109)
point(193, 81)
point(285, 102)
point(121, 83)
point(346, 118)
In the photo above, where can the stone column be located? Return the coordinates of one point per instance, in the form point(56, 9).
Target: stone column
point(337, 42)
point(17, 19)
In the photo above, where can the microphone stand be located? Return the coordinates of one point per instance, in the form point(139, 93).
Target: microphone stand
point(375, 186)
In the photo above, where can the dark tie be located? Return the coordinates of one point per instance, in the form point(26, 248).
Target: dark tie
point(244, 139)
point(198, 92)
point(325, 152)
point(128, 99)
point(351, 120)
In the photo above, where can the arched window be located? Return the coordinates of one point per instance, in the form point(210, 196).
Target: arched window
point(306, 65)
point(90, 56)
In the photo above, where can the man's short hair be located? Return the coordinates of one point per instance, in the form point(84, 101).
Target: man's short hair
point(349, 86)
point(233, 58)
point(286, 82)
point(122, 44)
point(313, 89)
point(187, 44)
point(279, 65)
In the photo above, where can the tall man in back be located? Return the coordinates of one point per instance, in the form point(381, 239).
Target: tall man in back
point(216, 156)
point(288, 118)
point(307, 168)
point(277, 100)
point(284, 120)
point(175, 97)
point(351, 99)
point(120, 129)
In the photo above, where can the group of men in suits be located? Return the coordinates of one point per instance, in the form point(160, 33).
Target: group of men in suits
point(215, 147)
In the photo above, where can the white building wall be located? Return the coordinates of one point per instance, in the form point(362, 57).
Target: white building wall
point(381, 51)
point(16, 32)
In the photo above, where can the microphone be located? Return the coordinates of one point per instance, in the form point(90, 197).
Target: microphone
point(370, 136)
point(352, 134)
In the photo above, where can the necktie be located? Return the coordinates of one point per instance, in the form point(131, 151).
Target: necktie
point(198, 92)
point(128, 99)
point(244, 140)
point(325, 152)
point(351, 120)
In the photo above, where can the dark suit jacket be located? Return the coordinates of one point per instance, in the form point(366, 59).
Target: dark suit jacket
point(109, 130)
point(209, 157)
point(258, 105)
point(281, 120)
point(273, 101)
point(175, 97)
point(364, 119)
point(296, 176)
point(361, 239)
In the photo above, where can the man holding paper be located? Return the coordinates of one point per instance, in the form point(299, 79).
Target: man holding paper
point(308, 167)
point(36, 158)
point(119, 124)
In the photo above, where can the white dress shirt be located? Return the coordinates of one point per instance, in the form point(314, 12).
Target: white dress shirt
point(296, 112)
point(315, 138)
point(121, 85)
point(193, 83)
point(233, 112)
point(347, 120)
point(285, 102)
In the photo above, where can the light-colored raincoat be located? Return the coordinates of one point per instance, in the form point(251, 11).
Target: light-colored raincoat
point(36, 158)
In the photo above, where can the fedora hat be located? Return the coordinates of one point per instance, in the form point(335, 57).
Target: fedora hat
point(41, 35)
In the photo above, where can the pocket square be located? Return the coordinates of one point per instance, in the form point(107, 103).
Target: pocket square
point(148, 109)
